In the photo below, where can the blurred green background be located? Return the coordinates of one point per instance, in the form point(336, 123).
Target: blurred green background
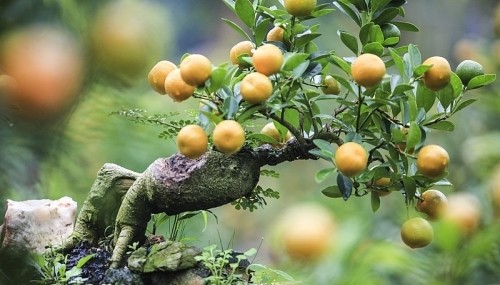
point(54, 149)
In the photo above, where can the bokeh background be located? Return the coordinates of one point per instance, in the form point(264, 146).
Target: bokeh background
point(79, 61)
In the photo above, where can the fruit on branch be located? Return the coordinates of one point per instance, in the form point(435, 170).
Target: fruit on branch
point(351, 159)
point(330, 85)
point(158, 74)
point(192, 141)
point(270, 130)
point(468, 69)
point(228, 136)
point(368, 70)
point(300, 8)
point(256, 88)
point(432, 161)
point(240, 49)
point(267, 59)
point(176, 88)
point(391, 31)
point(417, 232)
point(276, 34)
point(464, 211)
point(195, 69)
point(439, 75)
point(433, 203)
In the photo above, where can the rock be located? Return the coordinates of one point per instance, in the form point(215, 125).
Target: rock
point(32, 225)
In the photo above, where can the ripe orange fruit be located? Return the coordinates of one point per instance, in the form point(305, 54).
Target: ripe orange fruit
point(433, 203)
point(158, 74)
point(267, 59)
point(417, 233)
point(176, 88)
point(256, 88)
point(271, 131)
point(351, 159)
point(192, 141)
point(464, 211)
point(432, 161)
point(229, 136)
point(300, 8)
point(331, 86)
point(306, 231)
point(382, 182)
point(368, 70)
point(239, 49)
point(439, 75)
point(275, 34)
point(195, 69)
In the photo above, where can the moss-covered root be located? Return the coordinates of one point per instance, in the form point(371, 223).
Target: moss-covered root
point(99, 210)
point(177, 184)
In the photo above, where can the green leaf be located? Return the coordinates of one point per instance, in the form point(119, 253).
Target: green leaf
point(324, 146)
point(410, 187)
point(386, 15)
point(343, 82)
point(375, 201)
point(346, 67)
point(405, 26)
point(247, 113)
point(456, 85)
point(237, 28)
point(216, 79)
point(391, 41)
point(398, 61)
point(401, 89)
point(375, 48)
point(481, 80)
point(300, 69)
point(84, 260)
point(376, 34)
point(415, 56)
point(414, 136)
point(304, 38)
point(292, 60)
point(345, 186)
point(354, 15)
point(377, 4)
point(229, 4)
point(420, 70)
point(464, 104)
point(244, 11)
point(261, 30)
point(322, 174)
point(364, 33)
point(443, 126)
point(332, 192)
point(445, 96)
point(425, 97)
point(349, 41)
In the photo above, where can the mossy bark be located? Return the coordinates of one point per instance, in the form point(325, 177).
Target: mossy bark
point(171, 185)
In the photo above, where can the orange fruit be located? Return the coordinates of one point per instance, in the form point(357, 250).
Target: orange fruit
point(275, 34)
point(330, 85)
point(195, 69)
point(158, 74)
point(433, 203)
point(192, 141)
point(267, 59)
point(256, 88)
point(439, 75)
point(382, 182)
point(368, 70)
point(239, 49)
point(432, 161)
point(229, 136)
point(300, 8)
point(464, 211)
point(351, 159)
point(305, 231)
point(176, 88)
point(270, 130)
point(417, 233)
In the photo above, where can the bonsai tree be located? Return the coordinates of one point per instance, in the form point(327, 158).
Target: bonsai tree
point(368, 113)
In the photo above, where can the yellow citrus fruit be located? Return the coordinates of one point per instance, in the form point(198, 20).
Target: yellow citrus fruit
point(417, 233)
point(331, 85)
point(270, 130)
point(433, 203)
point(439, 75)
point(468, 69)
point(351, 158)
point(229, 136)
point(267, 59)
point(382, 182)
point(306, 231)
point(176, 88)
point(239, 49)
point(195, 69)
point(192, 141)
point(275, 34)
point(300, 8)
point(368, 70)
point(464, 211)
point(158, 74)
point(432, 161)
point(256, 88)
